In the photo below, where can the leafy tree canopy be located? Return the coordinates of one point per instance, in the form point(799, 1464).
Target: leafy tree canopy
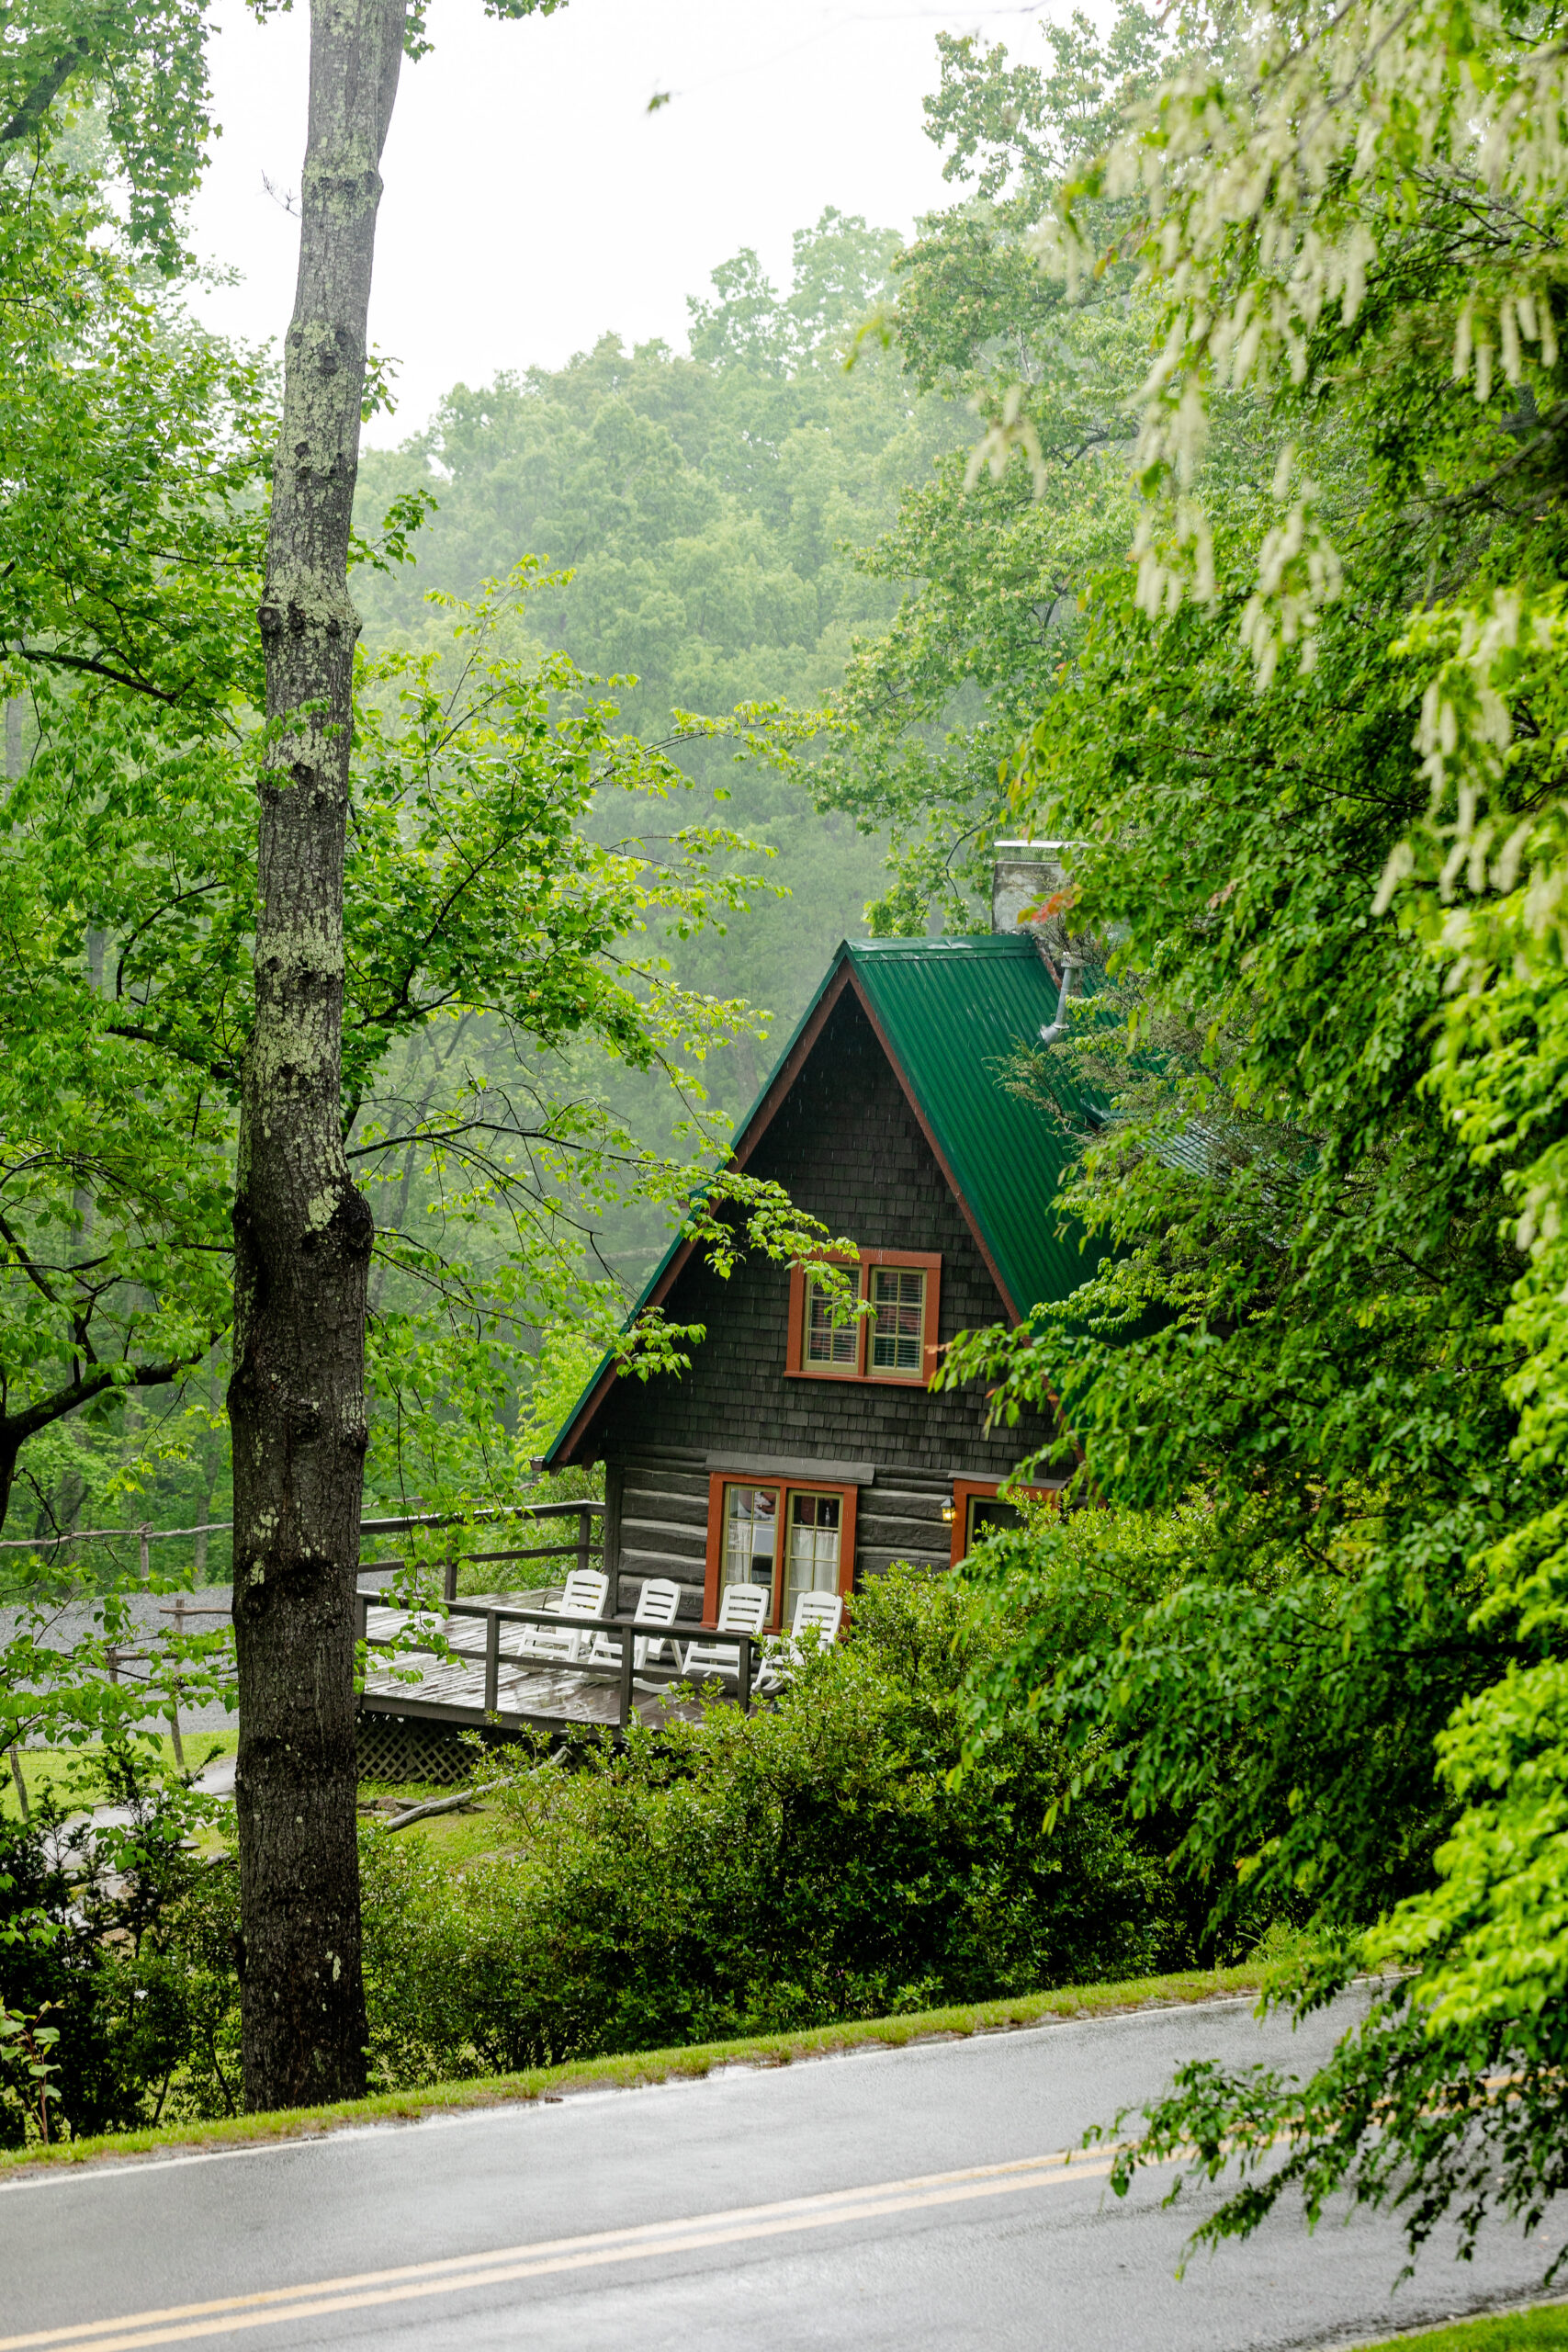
point(1306, 741)
point(704, 513)
point(144, 63)
point(1000, 554)
point(511, 904)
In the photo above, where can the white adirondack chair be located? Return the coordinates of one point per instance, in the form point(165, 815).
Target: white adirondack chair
point(743, 1610)
point(587, 1590)
point(659, 1603)
point(819, 1612)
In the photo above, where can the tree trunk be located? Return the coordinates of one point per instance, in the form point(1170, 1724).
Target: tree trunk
point(302, 1231)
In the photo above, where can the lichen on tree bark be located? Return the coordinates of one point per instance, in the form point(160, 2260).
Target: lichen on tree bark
point(302, 1231)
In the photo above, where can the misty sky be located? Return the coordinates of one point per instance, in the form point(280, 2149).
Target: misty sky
point(532, 201)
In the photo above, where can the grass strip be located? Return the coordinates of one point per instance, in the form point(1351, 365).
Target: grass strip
point(75, 1773)
point(1531, 2331)
point(637, 2069)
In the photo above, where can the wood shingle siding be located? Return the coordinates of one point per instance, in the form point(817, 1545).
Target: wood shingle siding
point(838, 1129)
point(846, 1146)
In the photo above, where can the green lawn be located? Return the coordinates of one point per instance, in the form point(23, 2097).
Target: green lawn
point(456, 1839)
point(75, 1775)
point(1509, 2332)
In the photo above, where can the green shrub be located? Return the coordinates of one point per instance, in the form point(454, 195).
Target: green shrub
point(813, 1861)
point(98, 1943)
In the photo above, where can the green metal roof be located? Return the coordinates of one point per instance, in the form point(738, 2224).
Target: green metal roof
point(951, 1010)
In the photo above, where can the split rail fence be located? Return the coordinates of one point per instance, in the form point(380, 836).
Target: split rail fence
point(583, 1544)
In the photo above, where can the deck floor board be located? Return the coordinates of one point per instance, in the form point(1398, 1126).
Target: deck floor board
point(526, 1689)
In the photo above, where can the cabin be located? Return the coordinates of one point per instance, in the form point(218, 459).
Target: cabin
point(807, 1456)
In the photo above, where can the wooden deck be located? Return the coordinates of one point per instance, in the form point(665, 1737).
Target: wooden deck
point(451, 1689)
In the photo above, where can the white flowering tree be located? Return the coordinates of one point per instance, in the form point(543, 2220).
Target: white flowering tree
point(1355, 218)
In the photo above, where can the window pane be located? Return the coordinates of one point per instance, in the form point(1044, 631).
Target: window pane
point(813, 1557)
point(750, 1534)
point(987, 1513)
point(827, 1342)
point(897, 1330)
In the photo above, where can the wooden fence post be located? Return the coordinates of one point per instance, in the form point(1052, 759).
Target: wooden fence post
point(584, 1530)
point(174, 1709)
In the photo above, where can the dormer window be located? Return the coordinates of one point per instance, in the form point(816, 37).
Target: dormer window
point(829, 1346)
point(896, 1340)
point(897, 1323)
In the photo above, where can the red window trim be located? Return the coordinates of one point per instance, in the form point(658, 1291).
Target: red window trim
point(928, 1262)
point(965, 1491)
point(849, 1497)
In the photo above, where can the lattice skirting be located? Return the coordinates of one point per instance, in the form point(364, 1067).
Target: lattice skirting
point(406, 1747)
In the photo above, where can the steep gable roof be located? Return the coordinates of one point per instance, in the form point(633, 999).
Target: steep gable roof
point(948, 1012)
point(945, 1012)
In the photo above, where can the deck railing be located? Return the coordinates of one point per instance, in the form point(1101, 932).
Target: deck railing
point(626, 1629)
point(580, 1547)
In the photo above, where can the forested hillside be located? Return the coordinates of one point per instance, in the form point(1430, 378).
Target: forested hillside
point(712, 509)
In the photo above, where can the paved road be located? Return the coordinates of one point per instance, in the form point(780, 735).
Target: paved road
point(890, 2198)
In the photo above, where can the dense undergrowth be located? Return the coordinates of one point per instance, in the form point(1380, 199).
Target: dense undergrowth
point(814, 1862)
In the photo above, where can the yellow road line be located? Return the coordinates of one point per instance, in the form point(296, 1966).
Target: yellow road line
point(502, 2265)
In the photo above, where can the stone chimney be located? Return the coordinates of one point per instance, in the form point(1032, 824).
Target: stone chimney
point(1024, 874)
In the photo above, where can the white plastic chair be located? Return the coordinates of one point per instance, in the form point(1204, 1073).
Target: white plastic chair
point(743, 1610)
point(819, 1612)
point(587, 1590)
point(659, 1603)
